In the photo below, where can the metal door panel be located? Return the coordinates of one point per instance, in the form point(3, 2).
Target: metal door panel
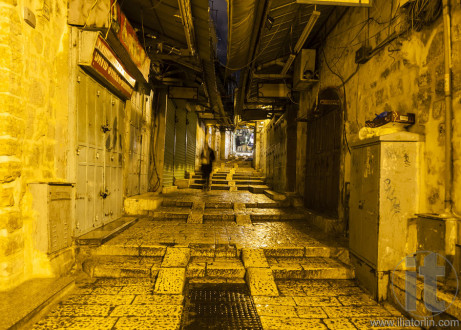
point(81, 199)
point(323, 164)
point(82, 121)
point(355, 217)
point(191, 141)
point(98, 163)
point(180, 144)
point(59, 210)
point(168, 168)
point(91, 109)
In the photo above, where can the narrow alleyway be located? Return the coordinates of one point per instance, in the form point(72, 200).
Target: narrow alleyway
point(218, 259)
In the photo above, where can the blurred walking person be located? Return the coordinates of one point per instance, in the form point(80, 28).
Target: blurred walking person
point(207, 159)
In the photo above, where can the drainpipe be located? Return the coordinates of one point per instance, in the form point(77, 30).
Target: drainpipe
point(448, 110)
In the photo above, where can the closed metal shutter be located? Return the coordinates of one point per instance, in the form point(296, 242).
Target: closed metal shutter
point(180, 144)
point(191, 140)
point(168, 166)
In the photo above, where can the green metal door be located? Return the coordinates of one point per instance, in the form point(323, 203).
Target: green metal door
point(180, 144)
point(191, 140)
point(168, 166)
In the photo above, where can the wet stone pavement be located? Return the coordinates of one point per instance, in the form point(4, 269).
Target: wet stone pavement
point(130, 303)
point(293, 276)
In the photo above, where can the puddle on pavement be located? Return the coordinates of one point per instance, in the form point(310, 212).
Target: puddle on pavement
point(219, 306)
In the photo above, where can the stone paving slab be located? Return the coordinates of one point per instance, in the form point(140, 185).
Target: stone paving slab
point(225, 268)
point(122, 266)
point(176, 257)
point(159, 299)
point(269, 235)
point(80, 310)
point(94, 299)
point(254, 258)
point(146, 310)
point(261, 282)
point(77, 323)
point(148, 323)
point(170, 281)
point(272, 323)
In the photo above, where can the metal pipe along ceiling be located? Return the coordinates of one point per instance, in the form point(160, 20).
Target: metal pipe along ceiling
point(241, 16)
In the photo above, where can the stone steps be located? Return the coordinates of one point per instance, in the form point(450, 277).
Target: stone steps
point(220, 187)
point(279, 214)
point(217, 268)
point(122, 266)
point(309, 268)
point(258, 189)
point(170, 213)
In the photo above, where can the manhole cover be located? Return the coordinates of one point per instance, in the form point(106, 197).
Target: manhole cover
point(220, 306)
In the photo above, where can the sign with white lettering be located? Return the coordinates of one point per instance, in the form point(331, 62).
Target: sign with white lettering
point(96, 55)
point(130, 42)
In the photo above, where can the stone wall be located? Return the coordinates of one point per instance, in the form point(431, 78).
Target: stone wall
point(34, 68)
point(406, 75)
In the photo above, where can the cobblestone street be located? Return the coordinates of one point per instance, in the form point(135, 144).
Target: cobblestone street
point(298, 276)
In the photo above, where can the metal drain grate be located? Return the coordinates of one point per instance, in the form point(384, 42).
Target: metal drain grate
point(220, 306)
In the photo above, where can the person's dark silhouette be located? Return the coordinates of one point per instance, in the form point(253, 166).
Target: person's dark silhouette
point(207, 159)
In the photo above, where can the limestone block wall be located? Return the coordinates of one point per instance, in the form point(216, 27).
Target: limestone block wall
point(34, 71)
point(406, 76)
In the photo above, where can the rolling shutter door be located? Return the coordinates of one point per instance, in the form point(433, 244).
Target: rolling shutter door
point(168, 166)
point(191, 140)
point(180, 144)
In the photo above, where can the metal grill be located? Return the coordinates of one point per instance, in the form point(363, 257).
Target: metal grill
point(220, 306)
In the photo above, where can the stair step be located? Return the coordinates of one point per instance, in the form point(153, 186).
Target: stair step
point(258, 189)
point(218, 267)
point(274, 195)
point(214, 181)
point(106, 232)
point(196, 186)
point(175, 203)
point(220, 187)
point(168, 213)
point(279, 214)
point(122, 266)
point(122, 249)
point(309, 268)
point(199, 181)
point(248, 182)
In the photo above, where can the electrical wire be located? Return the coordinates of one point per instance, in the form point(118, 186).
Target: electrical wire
point(89, 13)
point(110, 19)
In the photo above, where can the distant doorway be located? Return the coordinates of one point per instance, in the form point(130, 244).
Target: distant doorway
point(244, 142)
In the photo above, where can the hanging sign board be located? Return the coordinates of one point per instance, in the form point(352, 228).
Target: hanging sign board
point(96, 55)
point(130, 42)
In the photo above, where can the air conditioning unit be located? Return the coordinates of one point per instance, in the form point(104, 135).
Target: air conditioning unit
point(303, 74)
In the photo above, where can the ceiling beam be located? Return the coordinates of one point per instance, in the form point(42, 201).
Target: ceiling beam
point(187, 21)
